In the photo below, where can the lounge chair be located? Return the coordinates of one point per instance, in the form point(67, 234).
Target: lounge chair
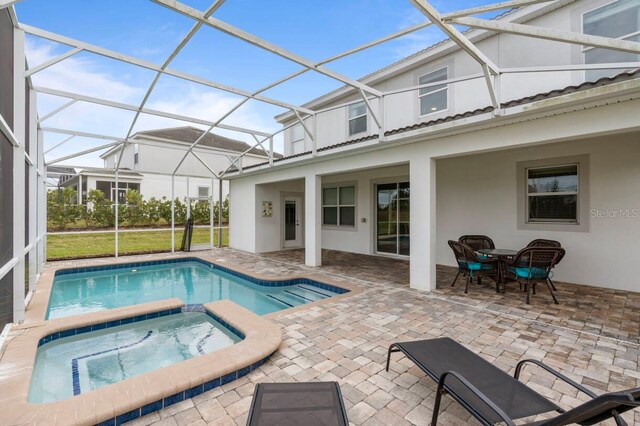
point(493, 396)
point(309, 404)
point(471, 265)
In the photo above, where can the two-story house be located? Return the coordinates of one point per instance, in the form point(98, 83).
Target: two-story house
point(433, 157)
point(152, 156)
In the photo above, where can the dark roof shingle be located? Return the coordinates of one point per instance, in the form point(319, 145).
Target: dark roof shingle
point(191, 134)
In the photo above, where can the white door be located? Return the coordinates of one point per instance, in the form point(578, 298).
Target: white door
point(292, 228)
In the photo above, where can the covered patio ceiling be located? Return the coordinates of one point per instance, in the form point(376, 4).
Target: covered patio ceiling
point(450, 24)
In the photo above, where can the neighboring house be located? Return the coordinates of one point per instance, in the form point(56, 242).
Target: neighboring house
point(558, 159)
point(152, 156)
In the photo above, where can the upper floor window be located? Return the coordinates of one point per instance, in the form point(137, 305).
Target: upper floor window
point(203, 192)
point(339, 206)
point(357, 118)
point(433, 98)
point(552, 194)
point(297, 138)
point(620, 19)
point(136, 155)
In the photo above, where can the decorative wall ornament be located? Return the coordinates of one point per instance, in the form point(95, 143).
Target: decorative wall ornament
point(267, 208)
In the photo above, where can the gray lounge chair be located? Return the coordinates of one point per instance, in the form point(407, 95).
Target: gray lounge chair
point(309, 404)
point(492, 396)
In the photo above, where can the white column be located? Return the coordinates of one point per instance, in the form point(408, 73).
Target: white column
point(117, 248)
point(42, 203)
point(173, 213)
point(422, 271)
point(19, 106)
point(312, 220)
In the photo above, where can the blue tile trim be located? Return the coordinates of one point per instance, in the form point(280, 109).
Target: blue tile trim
point(102, 326)
point(181, 396)
point(265, 283)
point(74, 362)
point(280, 301)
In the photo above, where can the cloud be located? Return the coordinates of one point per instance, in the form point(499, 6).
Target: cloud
point(88, 76)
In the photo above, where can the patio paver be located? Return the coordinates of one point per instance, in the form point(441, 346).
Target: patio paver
point(592, 337)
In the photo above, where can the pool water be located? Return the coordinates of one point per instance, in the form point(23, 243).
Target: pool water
point(73, 365)
point(194, 282)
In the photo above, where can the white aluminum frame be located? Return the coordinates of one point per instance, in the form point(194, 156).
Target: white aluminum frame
point(35, 161)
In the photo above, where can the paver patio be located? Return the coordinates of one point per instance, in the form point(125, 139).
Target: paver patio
point(592, 337)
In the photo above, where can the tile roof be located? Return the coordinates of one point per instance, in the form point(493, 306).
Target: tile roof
point(604, 81)
point(105, 171)
point(190, 134)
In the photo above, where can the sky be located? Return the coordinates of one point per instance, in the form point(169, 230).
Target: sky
point(145, 30)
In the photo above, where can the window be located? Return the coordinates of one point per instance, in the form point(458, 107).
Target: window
point(433, 98)
point(203, 192)
point(136, 155)
point(620, 19)
point(339, 206)
point(552, 194)
point(357, 118)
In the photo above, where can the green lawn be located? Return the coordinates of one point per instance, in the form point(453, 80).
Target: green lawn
point(65, 246)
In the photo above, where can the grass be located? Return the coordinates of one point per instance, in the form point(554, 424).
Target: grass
point(68, 246)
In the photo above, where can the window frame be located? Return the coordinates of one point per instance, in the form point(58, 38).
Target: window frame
point(208, 188)
point(582, 208)
point(585, 49)
point(528, 196)
point(136, 153)
point(350, 119)
point(338, 205)
point(446, 88)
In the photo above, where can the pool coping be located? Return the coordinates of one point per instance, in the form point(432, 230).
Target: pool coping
point(139, 395)
point(37, 308)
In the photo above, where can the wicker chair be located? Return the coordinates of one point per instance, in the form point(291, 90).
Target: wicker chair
point(540, 242)
point(477, 242)
point(471, 265)
point(533, 265)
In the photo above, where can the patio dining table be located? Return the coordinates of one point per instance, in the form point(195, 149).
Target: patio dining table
point(502, 255)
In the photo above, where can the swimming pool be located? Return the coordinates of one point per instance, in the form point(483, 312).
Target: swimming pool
point(105, 354)
point(193, 280)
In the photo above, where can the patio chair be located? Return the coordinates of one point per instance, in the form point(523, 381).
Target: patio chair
point(477, 242)
point(492, 396)
point(470, 264)
point(533, 265)
point(310, 403)
point(540, 242)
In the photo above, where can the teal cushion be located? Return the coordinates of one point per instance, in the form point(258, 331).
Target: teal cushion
point(477, 266)
point(482, 256)
point(537, 273)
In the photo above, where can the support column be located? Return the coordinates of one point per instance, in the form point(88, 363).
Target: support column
point(19, 201)
point(211, 201)
point(312, 220)
point(220, 213)
point(117, 213)
point(422, 270)
point(173, 213)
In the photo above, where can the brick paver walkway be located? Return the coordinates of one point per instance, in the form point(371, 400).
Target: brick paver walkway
point(592, 337)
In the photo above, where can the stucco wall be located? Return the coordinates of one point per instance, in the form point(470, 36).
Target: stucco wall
point(477, 195)
point(505, 50)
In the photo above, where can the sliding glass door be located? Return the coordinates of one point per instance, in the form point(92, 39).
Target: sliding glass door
point(392, 218)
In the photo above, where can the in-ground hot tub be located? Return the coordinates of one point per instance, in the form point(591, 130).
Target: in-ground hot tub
point(77, 361)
